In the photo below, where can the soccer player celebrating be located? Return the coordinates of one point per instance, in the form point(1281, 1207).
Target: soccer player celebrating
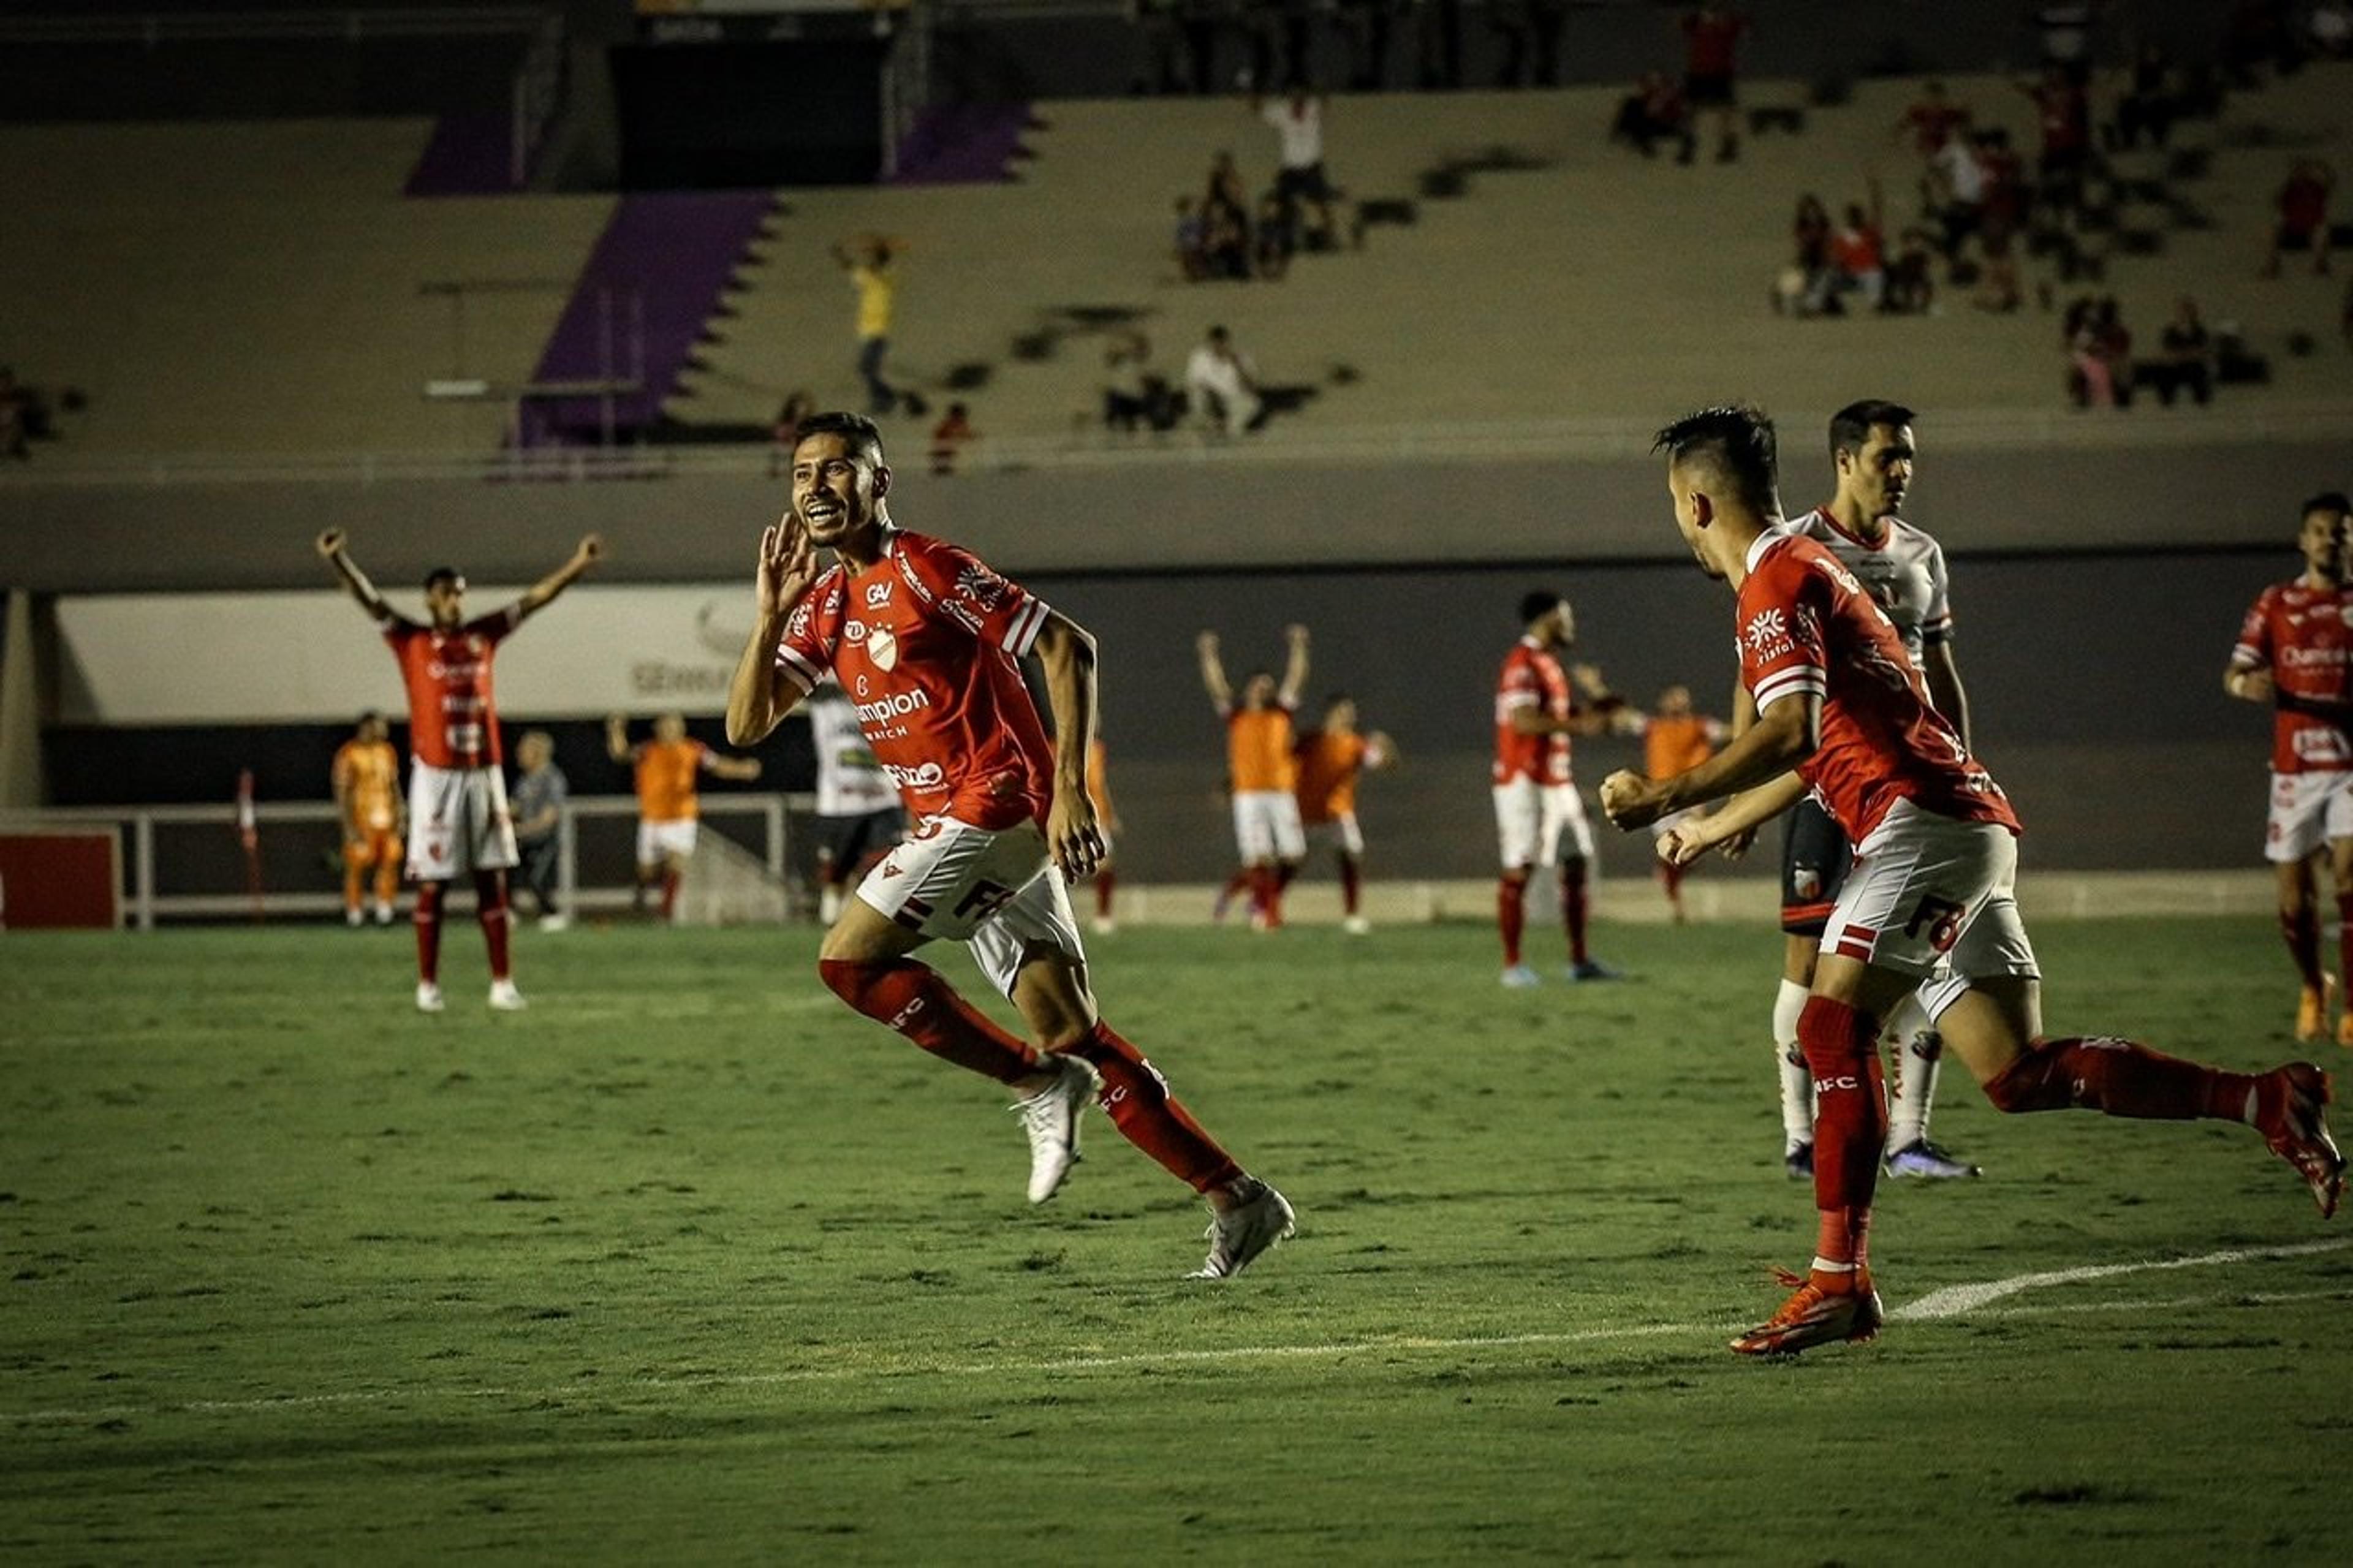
point(1875, 459)
point(669, 808)
point(1330, 759)
point(1841, 710)
point(366, 778)
point(1262, 770)
point(1536, 804)
point(458, 818)
point(925, 639)
point(2295, 652)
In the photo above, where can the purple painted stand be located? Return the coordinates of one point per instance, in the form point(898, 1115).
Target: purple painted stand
point(965, 144)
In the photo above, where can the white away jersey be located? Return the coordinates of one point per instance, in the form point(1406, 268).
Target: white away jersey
point(849, 780)
point(1905, 575)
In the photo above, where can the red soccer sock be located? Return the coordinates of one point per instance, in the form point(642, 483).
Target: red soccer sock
point(2345, 940)
point(1352, 884)
point(1511, 915)
point(429, 932)
point(1573, 903)
point(1106, 882)
point(1136, 1099)
point(2302, 930)
point(2120, 1077)
point(669, 881)
point(914, 1000)
point(1671, 878)
point(491, 909)
point(1268, 895)
point(1850, 1121)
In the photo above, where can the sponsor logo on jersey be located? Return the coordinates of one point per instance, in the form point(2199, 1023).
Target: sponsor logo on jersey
point(877, 594)
point(962, 614)
point(2311, 656)
point(853, 631)
point(985, 589)
point(882, 647)
point(926, 777)
point(1768, 635)
point(896, 705)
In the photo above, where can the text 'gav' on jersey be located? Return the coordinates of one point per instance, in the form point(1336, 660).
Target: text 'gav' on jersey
point(924, 642)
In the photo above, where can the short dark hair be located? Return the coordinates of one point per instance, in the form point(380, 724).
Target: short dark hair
point(1537, 602)
point(860, 434)
point(449, 574)
point(1851, 426)
point(371, 715)
point(1735, 438)
point(2326, 501)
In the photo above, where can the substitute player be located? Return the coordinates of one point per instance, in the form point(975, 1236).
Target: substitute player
point(667, 769)
point(2295, 652)
point(1262, 769)
point(1675, 738)
point(1332, 757)
point(1932, 891)
point(925, 639)
point(858, 815)
point(1874, 460)
point(1536, 804)
point(457, 819)
point(366, 778)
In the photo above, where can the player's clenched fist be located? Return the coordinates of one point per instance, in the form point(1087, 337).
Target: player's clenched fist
point(1630, 800)
point(591, 548)
point(331, 542)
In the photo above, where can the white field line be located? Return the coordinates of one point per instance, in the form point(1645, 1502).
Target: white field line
point(1936, 1306)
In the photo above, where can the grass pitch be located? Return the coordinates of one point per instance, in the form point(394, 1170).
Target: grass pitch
point(688, 1260)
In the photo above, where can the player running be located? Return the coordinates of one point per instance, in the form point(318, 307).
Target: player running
point(1840, 702)
point(1332, 757)
point(2295, 652)
point(1536, 803)
point(458, 818)
point(1261, 769)
point(925, 639)
point(366, 778)
point(1876, 458)
point(670, 804)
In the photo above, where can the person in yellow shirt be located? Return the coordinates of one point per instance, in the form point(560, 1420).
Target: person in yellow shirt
point(1261, 769)
point(669, 810)
point(366, 778)
point(870, 261)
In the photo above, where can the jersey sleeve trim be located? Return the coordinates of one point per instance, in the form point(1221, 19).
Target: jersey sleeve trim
point(790, 661)
point(1025, 627)
point(1792, 682)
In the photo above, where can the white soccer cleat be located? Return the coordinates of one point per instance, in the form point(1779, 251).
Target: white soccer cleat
point(1105, 926)
point(1357, 925)
point(1519, 978)
point(352, 916)
point(556, 922)
point(383, 914)
point(1050, 1118)
point(505, 998)
point(1239, 1234)
point(428, 996)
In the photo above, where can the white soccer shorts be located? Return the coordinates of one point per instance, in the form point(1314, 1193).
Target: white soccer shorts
point(458, 822)
point(1532, 819)
point(997, 892)
point(1266, 826)
point(1340, 832)
point(2307, 811)
point(659, 841)
point(1928, 890)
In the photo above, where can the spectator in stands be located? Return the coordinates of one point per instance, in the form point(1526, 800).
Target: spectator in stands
point(2064, 112)
point(1654, 112)
point(1223, 385)
point(1299, 181)
point(2066, 31)
point(870, 260)
point(798, 407)
point(1806, 285)
point(1274, 239)
point(2152, 103)
point(2099, 354)
point(1932, 120)
point(1225, 220)
point(1955, 190)
point(1191, 242)
point(2302, 214)
point(950, 436)
point(1710, 55)
point(2185, 358)
point(1134, 395)
point(1999, 217)
point(1858, 254)
point(1910, 287)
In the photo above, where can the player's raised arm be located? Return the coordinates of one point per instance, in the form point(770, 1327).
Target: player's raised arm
point(1784, 735)
point(1213, 672)
point(617, 738)
point(762, 693)
point(742, 770)
point(1066, 656)
point(333, 546)
point(539, 594)
point(1294, 666)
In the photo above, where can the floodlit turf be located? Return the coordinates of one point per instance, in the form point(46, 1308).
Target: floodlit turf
point(688, 1262)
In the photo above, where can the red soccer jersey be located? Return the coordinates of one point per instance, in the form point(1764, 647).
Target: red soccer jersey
point(452, 722)
point(1532, 677)
point(924, 641)
point(1807, 625)
point(2301, 636)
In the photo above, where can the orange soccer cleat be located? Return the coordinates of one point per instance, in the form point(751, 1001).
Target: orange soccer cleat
point(1813, 1316)
point(2291, 1113)
point(2312, 1014)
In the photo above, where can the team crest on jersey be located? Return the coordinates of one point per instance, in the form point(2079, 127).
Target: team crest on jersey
point(1767, 634)
point(882, 647)
point(877, 594)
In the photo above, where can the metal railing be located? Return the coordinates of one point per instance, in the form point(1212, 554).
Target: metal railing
point(142, 905)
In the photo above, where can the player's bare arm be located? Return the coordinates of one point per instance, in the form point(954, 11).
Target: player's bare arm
point(333, 547)
point(1946, 691)
point(742, 770)
point(539, 594)
point(617, 738)
point(1738, 822)
point(1783, 736)
point(1601, 704)
point(761, 694)
point(2248, 683)
point(1066, 658)
point(1294, 665)
point(1213, 672)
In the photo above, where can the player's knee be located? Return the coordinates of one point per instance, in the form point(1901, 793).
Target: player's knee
point(2035, 1081)
point(855, 981)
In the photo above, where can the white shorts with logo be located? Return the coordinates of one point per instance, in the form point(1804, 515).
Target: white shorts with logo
point(996, 891)
point(458, 822)
point(1926, 892)
point(1531, 819)
point(658, 841)
point(1266, 826)
point(1340, 832)
point(2308, 810)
